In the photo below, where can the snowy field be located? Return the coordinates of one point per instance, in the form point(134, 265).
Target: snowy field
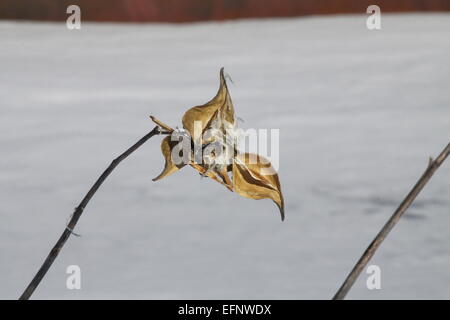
point(359, 114)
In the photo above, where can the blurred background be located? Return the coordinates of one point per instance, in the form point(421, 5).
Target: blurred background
point(202, 10)
point(359, 113)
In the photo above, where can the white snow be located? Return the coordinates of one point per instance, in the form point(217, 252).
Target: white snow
point(359, 114)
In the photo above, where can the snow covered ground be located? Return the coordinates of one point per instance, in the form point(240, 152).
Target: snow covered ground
point(359, 114)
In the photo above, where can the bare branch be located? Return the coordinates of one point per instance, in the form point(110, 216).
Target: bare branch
point(77, 214)
point(433, 165)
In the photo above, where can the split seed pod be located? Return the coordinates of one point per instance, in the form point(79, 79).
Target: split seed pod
point(209, 129)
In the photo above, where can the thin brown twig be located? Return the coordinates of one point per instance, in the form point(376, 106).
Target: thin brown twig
point(370, 251)
point(77, 213)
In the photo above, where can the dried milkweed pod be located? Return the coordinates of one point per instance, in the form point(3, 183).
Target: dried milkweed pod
point(211, 150)
point(254, 178)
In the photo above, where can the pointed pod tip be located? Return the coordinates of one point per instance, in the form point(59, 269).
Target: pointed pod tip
point(222, 74)
point(281, 211)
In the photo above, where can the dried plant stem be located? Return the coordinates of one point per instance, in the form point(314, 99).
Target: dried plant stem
point(77, 213)
point(370, 251)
